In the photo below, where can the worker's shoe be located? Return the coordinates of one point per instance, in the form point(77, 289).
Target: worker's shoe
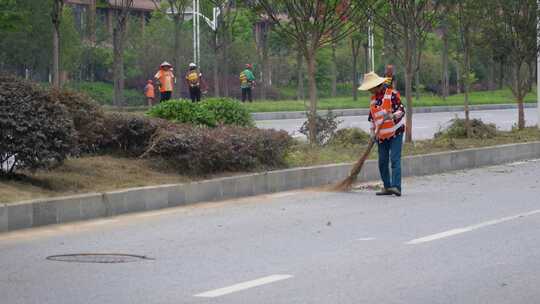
point(394, 190)
point(384, 191)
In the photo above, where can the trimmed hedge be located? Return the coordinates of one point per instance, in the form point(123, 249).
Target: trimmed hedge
point(35, 130)
point(129, 134)
point(210, 113)
point(228, 111)
point(183, 111)
point(88, 119)
point(227, 149)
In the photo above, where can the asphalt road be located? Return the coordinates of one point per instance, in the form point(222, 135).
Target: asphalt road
point(464, 237)
point(425, 125)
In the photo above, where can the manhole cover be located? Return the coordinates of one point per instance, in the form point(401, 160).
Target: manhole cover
point(108, 258)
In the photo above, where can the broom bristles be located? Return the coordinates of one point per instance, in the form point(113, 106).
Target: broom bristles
point(346, 184)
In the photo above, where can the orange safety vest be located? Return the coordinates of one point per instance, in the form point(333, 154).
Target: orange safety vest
point(149, 91)
point(387, 128)
point(165, 80)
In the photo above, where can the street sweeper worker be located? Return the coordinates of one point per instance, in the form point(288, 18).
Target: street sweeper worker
point(387, 127)
point(165, 78)
point(193, 81)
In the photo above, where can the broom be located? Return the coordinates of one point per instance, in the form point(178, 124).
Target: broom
point(346, 184)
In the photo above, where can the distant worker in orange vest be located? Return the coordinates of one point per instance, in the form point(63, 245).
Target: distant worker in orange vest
point(166, 80)
point(149, 92)
point(388, 125)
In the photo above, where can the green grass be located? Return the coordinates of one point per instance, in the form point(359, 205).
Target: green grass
point(304, 154)
point(103, 93)
point(476, 98)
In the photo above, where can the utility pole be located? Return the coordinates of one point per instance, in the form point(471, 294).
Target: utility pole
point(196, 14)
point(371, 42)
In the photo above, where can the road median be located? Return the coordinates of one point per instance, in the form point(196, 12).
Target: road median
point(35, 213)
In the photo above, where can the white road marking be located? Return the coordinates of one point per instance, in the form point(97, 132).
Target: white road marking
point(456, 231)
point(366, 239)
point(242, 286)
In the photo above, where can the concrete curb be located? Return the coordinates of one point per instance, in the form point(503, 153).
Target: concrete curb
point(58, 210)
point(359, 112)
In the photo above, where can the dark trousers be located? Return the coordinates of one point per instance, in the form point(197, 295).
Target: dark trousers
point(246, 94)
point(165, 96)
point(390, 154)
point(195, 94)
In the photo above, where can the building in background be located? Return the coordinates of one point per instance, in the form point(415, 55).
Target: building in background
point(105, 12)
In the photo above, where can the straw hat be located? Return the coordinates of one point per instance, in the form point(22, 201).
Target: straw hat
point(165, 63)
point(371, 80)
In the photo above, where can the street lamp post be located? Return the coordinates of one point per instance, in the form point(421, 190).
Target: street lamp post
point(370, 44)
point(213, 24)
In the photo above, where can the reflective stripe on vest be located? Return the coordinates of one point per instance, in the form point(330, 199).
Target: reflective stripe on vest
point(387, 128)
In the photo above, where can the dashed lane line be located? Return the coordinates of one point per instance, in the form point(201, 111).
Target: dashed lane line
point(244, 285)
point(457, 231)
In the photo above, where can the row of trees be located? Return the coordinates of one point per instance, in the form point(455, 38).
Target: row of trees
point(465, 40)
point(506, 26)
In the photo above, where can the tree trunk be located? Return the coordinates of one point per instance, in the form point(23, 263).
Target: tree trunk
point(355, 50)
point(56, 56)
point(261, 39)
point(333, 71)
point(491, 74)
point(216, 64)
point(310, 58)
point(458, 79)
point(417, 84)
point(118, 65)
point(177, 59)
point(521, 113)
point(410, 50)
point(501, 75)
point(225, 61)
point(519, 93)
point(464, 32)
point(225, 66)
point(408, 94)
point(445, 81)
point(301, 94)
point(91, 38)
point(265, 72)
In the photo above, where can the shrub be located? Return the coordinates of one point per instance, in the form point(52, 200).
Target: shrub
point(129, 134)
point(228, 111)
point(202, 151)
point(88, 119)
point(210, 113)
point(349, 137)
point(456, 129)
point(35, 131)
point(183, 111)
point(325, 127)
